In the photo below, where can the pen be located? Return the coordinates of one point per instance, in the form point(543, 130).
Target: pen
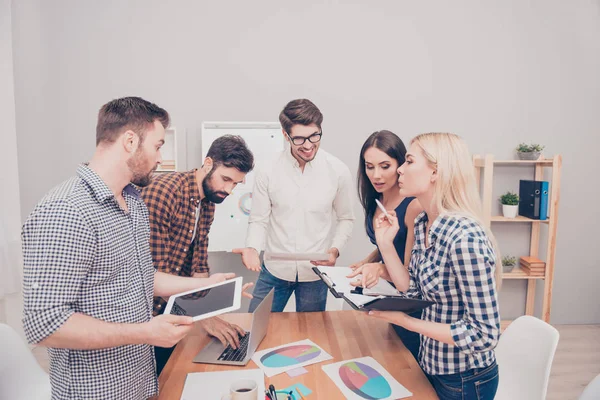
point(272, 391)
point(382, 208)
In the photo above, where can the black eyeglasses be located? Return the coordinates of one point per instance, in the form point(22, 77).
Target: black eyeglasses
point(299, 141)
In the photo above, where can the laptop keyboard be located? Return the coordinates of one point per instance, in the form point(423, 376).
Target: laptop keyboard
point(231, 354)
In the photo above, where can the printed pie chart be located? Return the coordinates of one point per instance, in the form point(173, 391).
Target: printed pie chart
point(290, 355)
point(364, 381)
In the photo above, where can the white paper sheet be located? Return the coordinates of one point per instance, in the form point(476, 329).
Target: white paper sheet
point(296, 256)
point(213, 385)
point(289, 356)
point(365, 378)
point(342, 283)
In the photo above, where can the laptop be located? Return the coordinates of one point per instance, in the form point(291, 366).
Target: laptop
point(215, 353)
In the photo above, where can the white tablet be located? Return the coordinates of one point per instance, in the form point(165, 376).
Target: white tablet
point(208, 301)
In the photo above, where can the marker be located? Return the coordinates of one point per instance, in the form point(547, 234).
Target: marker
point(382, 208)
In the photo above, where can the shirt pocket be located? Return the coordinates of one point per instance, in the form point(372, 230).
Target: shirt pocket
point(319, 200)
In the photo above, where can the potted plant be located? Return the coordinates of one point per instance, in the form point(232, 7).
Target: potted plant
point(529, 151)
point(508, 263)
point(510, 204)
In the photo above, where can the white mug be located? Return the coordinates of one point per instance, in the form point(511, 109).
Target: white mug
point(242, 389)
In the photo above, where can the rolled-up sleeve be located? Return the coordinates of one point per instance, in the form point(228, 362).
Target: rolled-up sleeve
point(473, 263)
point(58, 249)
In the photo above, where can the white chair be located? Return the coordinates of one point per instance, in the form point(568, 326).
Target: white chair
point(524, 355)
point(21, 377)
point(592, 390)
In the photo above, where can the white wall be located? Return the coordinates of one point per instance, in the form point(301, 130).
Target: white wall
point(495, 72)
point(10, 208)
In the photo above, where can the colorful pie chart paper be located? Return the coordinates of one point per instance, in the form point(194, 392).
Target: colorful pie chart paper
point(289, 356)
point(363, 378)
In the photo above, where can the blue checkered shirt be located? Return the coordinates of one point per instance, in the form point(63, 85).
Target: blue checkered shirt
point(84, 254)
point(456, 272)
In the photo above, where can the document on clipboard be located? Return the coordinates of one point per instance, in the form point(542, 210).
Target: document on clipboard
point(382, 297)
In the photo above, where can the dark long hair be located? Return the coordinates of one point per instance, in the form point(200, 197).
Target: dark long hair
point(391, 145)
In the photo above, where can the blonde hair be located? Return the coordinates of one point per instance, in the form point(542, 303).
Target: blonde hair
point(455, 190)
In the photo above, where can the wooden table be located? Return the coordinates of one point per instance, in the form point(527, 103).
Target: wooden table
point(343, 334)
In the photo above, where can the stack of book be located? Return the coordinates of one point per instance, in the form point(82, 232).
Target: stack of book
point(533, 266)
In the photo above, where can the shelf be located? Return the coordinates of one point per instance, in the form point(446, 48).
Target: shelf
point(547, 162)
point(484, 167)
point(518, 273)
point(519, 218)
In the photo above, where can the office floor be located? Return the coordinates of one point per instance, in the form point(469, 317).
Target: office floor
point(576, 363)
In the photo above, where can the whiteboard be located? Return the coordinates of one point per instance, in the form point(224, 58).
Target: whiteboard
point(265, 140)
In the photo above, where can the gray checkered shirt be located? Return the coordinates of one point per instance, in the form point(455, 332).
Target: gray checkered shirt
point(84, 254)
point(456, 271)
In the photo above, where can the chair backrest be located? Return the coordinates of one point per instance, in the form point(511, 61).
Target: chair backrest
point(21, 377)
point(592, 390)
point(524, 355)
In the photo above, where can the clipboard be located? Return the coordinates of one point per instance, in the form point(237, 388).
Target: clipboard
point(328, 281)
point(361, 302)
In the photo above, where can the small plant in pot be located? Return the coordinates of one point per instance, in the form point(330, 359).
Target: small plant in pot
point(529, 151)
point(510, 204)
point(508, 263)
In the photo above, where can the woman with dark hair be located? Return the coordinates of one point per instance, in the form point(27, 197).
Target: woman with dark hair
point(381, 155)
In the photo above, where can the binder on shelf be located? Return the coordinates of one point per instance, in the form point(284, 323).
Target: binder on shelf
point(533, 199)
point(381, 297)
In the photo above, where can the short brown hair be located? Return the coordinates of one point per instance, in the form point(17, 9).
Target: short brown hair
point(135, 113)
point(300, 112)
point(231, 151)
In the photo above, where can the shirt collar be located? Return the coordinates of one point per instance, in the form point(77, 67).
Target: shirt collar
point(288, 156)
point(99, 188)
point(436, 229)
point(192, 182)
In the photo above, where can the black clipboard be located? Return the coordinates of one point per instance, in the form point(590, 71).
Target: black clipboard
point(379, 303)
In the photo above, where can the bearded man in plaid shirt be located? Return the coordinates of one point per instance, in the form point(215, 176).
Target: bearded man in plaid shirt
point(181, 206)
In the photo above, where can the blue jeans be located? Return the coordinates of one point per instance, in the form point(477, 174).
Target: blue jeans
point(476, 384)
point(410, 339)
point(310, 296)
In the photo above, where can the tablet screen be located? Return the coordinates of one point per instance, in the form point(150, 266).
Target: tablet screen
point(205, 301)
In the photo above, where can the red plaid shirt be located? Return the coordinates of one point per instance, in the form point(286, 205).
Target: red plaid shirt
point(172, 200)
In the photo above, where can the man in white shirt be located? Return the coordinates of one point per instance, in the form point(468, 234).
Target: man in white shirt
point(293, 200)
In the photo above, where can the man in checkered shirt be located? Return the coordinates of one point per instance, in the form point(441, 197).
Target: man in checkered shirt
point(89, 280)
point(181, 206)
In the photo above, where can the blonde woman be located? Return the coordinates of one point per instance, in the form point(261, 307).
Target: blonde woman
point(453, 264)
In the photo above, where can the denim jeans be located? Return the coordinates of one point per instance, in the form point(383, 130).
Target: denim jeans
point(310, 296)
point(410, 339)
point(476, 384)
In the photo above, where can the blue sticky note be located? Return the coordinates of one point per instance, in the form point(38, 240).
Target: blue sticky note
point(305, 391)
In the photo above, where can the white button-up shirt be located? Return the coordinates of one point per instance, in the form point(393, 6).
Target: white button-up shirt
point(292, 211)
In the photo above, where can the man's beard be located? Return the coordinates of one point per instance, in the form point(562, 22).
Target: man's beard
point(209, 193)
point(135, 165)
